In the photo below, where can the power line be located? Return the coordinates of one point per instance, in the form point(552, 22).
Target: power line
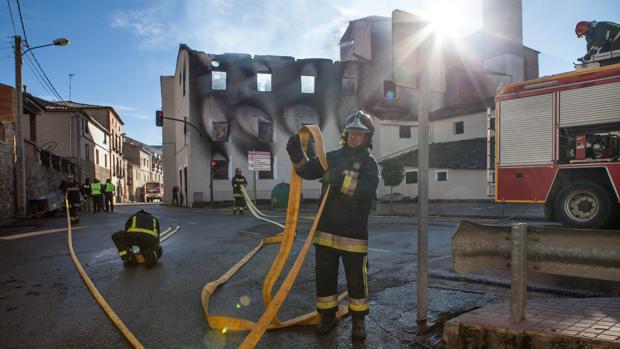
point(40, 78)
point(49, 82)
point(8, 2)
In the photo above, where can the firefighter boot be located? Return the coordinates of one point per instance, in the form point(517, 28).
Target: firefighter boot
point(150, 257)
point(358, 332)
point(241, 210)
point(328, 322)
point(129, 260)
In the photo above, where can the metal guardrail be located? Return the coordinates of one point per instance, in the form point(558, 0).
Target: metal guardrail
point(573, 252)
point(221, 195)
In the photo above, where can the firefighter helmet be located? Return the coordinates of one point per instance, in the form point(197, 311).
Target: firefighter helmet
point(582, 28)
point(237, 170)
point(360, 122)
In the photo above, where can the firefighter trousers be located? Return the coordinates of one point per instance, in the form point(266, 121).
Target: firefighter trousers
point(326, 273)
point(239, 202)
point(124, 242)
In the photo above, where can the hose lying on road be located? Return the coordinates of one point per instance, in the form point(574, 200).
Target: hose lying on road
point(255, 211)
point(269, 319)
point(98, 297)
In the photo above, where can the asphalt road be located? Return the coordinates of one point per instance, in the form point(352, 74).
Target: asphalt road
point(45, 304)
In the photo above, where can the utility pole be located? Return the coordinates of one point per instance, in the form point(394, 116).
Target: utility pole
point(20, 161)
point(71, 75)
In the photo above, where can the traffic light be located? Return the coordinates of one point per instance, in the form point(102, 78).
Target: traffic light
point(159, 118)
point(389, 90)
point(213, 164)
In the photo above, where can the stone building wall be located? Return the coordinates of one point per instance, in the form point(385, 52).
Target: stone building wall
point(7, 181)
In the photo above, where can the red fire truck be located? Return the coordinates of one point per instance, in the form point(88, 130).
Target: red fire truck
point(558, 143)
point(153, 191)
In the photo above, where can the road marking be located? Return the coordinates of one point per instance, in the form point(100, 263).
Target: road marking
point(37, 233)
point(191, 223)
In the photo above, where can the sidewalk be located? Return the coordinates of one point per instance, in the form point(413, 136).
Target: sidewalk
point(551, 323)
point(488, 210)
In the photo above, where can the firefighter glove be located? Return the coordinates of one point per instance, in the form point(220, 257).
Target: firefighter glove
point(333, 178)
point(293, 147)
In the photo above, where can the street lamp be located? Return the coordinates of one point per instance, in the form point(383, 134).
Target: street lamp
point(20, 166)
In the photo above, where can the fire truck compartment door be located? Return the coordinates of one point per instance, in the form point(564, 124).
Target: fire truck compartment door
point(591, 105)
point(526, 131)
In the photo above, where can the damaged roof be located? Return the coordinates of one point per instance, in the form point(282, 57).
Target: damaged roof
point(466, 154)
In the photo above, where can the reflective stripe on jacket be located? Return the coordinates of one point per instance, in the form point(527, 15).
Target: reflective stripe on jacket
point(140, 223)
point(109, 187)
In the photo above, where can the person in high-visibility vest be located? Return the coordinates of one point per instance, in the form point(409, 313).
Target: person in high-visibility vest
point(109, 196)
point(142, 230)
point(342, 231)
point(95, 193)
point(72, 190)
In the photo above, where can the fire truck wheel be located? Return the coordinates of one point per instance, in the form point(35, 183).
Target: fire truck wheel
point(584, 205)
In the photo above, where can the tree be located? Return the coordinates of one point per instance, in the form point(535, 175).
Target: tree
point(392, 173)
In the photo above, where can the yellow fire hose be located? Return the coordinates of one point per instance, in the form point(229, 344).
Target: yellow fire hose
point(91, 286)
point(269, 319)
point(255, 211)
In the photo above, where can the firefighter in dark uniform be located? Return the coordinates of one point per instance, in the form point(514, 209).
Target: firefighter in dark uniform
point(600, 37)
point(72, 190)
point(142, 230)
point(238, 181)
point(342, 232)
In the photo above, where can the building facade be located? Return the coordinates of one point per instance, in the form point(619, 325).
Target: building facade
point(218, 108)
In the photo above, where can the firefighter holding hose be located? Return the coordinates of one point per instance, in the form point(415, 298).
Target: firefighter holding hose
point(342, 232)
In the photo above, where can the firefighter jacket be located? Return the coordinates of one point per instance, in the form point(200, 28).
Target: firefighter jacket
point(109, 188)
point(237, 182)
point(344, 222)
point(95, 189)
point(72, 189)
point(142, 222)
point(603, 37)
point(86, 189)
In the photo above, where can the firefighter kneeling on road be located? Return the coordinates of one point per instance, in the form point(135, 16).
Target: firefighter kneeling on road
point(142, 230)
point(342, 232)
point(72, 191)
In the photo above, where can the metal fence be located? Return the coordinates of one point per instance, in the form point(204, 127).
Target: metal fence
point(227, 195)
point(591, 254)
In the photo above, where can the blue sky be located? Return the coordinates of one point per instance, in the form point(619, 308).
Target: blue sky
point(120, 48)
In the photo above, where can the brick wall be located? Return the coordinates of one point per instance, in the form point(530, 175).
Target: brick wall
point(7, 178)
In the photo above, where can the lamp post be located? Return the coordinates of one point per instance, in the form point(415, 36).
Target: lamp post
point(20, 165)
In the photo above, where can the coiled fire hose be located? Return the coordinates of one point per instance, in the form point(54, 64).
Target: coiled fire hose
point(269, 319)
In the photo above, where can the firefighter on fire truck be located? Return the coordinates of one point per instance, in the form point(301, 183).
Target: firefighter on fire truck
point(342, 232)
point(600, 37)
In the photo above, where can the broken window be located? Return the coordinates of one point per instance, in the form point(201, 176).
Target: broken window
point(220, 170)
point(265, 132)
point(218, 80)
point(220, 131)
point(307, 84)
point(263, 82)
point(459, 128)
point(348, 86)
point(404, 131)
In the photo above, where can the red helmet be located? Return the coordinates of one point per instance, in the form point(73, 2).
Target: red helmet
point(582, 28)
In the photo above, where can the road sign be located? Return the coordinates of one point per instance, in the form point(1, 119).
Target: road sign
point(259, 160)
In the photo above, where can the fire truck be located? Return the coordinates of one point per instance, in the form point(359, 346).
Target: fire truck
point(557, 143)
point(153, 191)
